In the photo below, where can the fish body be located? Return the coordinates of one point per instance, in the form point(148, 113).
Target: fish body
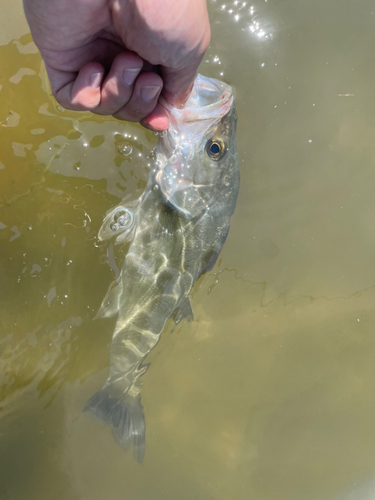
point(177, 228)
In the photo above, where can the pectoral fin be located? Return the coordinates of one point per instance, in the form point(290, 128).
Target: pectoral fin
point(120, 222)
point(183, 311)
point(111, 302)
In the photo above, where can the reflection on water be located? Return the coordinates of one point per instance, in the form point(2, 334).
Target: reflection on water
point(269, 393)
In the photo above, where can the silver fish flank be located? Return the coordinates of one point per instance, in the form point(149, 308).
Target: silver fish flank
point(176, 230)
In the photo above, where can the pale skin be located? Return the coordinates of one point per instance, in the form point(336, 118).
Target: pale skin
point(117, 57)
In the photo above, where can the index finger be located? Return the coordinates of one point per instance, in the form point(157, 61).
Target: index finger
point(78, 91)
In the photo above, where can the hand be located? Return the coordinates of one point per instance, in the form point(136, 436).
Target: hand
point(116, 57)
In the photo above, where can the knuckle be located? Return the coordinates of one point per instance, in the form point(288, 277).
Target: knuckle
point(65, 103)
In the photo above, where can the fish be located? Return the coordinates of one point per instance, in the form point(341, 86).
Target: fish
point(176, 229)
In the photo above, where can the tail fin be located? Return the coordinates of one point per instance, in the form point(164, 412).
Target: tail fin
point(125, 415)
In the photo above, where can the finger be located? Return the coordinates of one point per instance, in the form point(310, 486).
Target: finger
point(157, 120)
point(80, 91)
point(117, 88)
point(145, 96)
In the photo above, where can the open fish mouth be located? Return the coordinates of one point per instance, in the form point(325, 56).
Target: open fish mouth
point(209, 101)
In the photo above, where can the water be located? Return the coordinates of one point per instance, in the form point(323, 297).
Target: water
point(269, 393)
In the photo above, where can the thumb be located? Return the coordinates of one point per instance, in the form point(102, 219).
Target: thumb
point(178, 83)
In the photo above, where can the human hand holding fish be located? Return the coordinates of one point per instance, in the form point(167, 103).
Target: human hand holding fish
point(117, 57)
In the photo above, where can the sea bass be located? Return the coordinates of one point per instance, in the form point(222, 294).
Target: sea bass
point(176, 230)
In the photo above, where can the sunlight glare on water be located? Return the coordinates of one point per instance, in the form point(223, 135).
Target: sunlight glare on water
point(269, 393)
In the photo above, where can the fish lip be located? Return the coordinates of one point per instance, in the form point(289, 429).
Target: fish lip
point(187, 115)
point(197, 120)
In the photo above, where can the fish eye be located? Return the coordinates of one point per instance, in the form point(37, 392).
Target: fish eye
point(215, 148)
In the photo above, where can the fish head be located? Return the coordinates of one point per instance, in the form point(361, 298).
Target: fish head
point(198, 153)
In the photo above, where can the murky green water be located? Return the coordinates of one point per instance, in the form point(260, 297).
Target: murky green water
point(270, 393)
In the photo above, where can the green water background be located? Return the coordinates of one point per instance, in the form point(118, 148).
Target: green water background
point(270, 393)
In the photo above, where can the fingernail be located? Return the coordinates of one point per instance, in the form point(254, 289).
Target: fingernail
point(149, 92)
point(129, 75)
point(96, 80)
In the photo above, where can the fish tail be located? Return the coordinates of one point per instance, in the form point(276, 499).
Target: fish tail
point(126, 416)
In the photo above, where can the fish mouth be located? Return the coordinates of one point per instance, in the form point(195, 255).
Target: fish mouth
point(209, 101)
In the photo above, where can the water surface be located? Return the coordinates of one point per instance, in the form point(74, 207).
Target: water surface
point(269, 393)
